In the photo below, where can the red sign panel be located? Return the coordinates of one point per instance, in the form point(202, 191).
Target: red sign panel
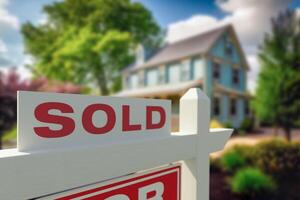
point(155, 185)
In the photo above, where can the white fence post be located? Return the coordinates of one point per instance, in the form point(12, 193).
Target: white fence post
point(194, 119)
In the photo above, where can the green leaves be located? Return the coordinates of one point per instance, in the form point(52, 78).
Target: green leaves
point(277, 96)
point(88, 42)
point(252, 183)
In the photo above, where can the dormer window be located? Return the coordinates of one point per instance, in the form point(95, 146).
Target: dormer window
point(216, 70)
point(140, 55)
point(228, 47)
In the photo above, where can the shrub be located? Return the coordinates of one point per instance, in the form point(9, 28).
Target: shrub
point(278, 157)
point(228, 124)
point(215, 124)
point(247, 125)
point(245, 151)
point(10, 134)
point(232, 160)
point(252, 183)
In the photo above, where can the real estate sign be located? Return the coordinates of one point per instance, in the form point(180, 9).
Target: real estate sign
point(51, 121)
point(162, 183)
point(79, 146)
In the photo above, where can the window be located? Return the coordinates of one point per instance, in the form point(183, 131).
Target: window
point(174, 73)
point(161, 76)
point(233, 106)
point(216, 108)
point(235, 76)
point(228, 47)
point(134, 81)
point(198, 68)
point(152, 77)
point(216, 70)
point(185, 71)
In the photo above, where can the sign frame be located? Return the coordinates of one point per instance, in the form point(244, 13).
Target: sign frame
point(51, 171)
point(92, 190)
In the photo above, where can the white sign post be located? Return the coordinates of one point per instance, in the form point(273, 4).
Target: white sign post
point(69, 141)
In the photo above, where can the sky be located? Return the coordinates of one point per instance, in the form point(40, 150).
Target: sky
point(180, 18)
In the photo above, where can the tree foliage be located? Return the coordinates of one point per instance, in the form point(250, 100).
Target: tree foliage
point(11, 82)
point(277, 96)
point(88, 42)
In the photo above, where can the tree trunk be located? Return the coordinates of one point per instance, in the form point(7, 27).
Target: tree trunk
point(102, 86)
point(288, 133)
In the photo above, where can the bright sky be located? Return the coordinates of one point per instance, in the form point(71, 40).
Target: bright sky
point(181, 19)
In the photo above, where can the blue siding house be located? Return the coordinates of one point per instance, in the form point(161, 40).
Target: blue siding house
point(213, 61)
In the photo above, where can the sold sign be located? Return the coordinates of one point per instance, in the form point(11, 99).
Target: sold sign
point(51, 121)
point(163, 183)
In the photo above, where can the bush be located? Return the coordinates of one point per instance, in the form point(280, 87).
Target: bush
point(278, 157)
point(245, 151)
point(10, 134)
point(232, 160)
point(228, 124)
point(247, 125)
point(252, 183)
point(215, 124)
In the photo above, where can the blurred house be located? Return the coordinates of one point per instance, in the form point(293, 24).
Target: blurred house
point(213, 61)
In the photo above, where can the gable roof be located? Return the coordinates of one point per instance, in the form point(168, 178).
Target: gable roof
point(195, 45)
point(198, 44)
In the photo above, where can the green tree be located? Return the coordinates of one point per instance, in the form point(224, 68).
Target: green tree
point(88, 42)
point(277, 98)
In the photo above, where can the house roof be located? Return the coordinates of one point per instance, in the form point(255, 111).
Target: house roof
point(197, 44)
point(161, 90)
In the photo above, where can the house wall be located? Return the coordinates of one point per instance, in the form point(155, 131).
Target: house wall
point(225, 115)
point(218, 49)
point(224, 108)
point(187, 71)
point(197, 68)
point(227, 65)
point(208, 81)
point(204, 70)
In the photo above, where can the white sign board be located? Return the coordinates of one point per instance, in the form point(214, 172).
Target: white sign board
point(68, 141)
point(54, 121)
